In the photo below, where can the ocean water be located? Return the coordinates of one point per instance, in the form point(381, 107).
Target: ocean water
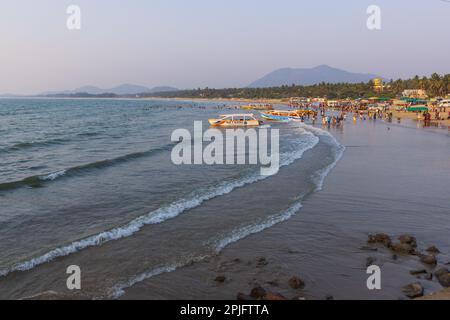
point(91, 183)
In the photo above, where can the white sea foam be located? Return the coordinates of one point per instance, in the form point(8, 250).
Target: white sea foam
point(338, 150)
point(245, 231)
point(320, 175)
point(234, 236)
point(53, 176)
point(119, 289)
point(164, 213)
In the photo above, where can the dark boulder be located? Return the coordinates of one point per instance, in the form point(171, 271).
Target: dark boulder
point(258, 292)
point(296, 283)
point(404, 248)
point(433, 249)
point(428, 259)
point(408, 239)
point(380, 238)
point(413, 290)
point(443, 276)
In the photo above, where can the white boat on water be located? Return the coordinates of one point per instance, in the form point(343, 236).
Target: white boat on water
point(235, 120)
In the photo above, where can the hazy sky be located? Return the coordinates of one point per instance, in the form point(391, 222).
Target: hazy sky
point(215, 43)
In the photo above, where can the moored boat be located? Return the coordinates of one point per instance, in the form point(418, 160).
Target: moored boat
point(258, 107)
point(235, 120)
point(287, 115)
point(280, 117)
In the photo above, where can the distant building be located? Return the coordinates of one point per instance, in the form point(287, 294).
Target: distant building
point(298, 100)
point(415, 93)
point(333, 103)
point(378, 85)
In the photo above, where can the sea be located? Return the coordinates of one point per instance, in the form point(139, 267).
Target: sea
point(91, 183)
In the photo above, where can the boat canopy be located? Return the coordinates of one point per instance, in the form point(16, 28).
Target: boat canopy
point(418, 108)
point(237, 115)
point(413, 100)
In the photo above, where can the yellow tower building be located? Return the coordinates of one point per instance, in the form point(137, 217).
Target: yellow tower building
point(378, 84)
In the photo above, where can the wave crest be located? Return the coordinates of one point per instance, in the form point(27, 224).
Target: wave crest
point(161, 214)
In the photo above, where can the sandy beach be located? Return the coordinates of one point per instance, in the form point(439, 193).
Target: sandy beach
point(443, 124)
point(383, 183)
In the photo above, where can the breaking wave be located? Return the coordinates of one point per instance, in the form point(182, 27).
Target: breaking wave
point(164, 213)
point(40, 180)
point(245, 231)
point(337, 149)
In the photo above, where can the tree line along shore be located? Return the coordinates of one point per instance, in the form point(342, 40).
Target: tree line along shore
point(436, 86)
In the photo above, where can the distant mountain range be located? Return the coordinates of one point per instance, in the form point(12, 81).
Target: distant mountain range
point(123, 89)
point(306, 77)
point(277, 78)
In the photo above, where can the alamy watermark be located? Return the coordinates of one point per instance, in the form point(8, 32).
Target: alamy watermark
point(374, 280)
point(227, 146)
point(374, 19)
point(74, 19)
point(74, 280)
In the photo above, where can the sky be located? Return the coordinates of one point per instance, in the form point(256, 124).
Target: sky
point(214, 43)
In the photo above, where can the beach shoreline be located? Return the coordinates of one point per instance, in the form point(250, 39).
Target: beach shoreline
point(402, 115)
point(287, 234)
point(321, 244)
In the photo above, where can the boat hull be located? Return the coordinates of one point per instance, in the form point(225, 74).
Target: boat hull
point(272, 117)
point(235, 123)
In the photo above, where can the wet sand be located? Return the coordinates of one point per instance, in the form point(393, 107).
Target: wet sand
point(392, 179)
point(443, 124)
